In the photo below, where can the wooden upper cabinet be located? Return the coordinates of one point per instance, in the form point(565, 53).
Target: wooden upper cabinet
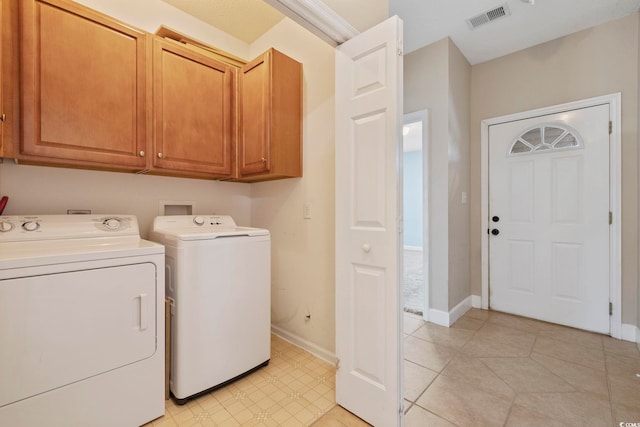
point(9, 104)
point(84, 87)
point(192, 109)
point(270, 118)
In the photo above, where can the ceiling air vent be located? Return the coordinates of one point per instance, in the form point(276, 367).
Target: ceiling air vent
point(488, 16)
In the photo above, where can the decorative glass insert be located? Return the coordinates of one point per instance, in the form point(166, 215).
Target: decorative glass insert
point(546, 137)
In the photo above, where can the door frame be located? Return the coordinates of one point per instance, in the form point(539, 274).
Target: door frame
point(615, 203)
point(413, 117)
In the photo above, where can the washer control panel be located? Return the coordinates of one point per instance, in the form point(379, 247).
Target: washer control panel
point(46, 227)
point(194, 221)
point(222, 220)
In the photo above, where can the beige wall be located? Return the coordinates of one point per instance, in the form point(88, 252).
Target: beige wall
point(44, 190)
point(638, 136)
point(425, 77)
point(597, 61)
point(362, 14)
point(437, 78)
point(458, 123)
point(148, 15)
point(303, 249)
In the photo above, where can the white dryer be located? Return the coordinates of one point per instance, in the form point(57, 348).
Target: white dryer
point(81, 322)
point(219, 280)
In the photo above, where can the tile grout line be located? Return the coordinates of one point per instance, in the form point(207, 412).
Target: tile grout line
point(606, 374)
point(439, 373)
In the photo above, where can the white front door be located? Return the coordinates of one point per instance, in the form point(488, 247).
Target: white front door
point(368, 201)
point(549, 218)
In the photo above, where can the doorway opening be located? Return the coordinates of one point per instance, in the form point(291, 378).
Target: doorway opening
point(415, 210)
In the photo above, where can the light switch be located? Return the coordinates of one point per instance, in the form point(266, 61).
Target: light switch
point(464, 198)
point(306, 210)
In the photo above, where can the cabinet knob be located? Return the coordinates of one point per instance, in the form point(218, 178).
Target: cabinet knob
point(141, 153)
point(3, 117)
point(263, 160)
point(159, 155)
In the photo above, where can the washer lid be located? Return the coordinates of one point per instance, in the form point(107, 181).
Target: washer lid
point(200, 227)
point(190, 234)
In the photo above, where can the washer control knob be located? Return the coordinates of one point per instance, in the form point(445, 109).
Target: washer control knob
point(30, 226)
point(112, 223)
point(5, 226)
point(198, 220)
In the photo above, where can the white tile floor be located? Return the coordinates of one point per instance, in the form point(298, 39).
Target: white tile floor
point(488, 369)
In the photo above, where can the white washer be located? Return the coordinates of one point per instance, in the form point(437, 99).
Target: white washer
point(219, 279)
point(81, 322)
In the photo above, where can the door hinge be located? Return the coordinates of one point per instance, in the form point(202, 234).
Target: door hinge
point(610, 308)
point(610, 217)
point(610, 127)
point(337, 363)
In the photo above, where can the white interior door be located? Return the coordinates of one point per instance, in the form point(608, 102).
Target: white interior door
point(368, 224)
point(549, 218)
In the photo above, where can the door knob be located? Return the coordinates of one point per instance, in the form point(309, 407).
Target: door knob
point(366, 248)
point(495, 219)
point(495, 231)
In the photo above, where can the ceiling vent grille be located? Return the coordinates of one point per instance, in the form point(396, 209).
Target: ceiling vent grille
point(489, 16)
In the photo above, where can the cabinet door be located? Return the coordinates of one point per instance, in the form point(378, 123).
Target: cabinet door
point(3, 54)
point(254, 116)
point(270, 118)
point(192, 96)
point(8, 78)
point(83, 86)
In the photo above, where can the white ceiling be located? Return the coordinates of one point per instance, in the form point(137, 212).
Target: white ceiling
point(427, 21)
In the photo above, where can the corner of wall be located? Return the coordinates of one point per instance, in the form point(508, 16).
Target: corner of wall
point(638, 142)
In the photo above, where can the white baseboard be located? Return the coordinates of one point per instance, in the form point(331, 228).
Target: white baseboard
point(476, 301)
point(447, 319)
point(459, 310)
point(630, 333)
point(312, 348)
point(439, 317)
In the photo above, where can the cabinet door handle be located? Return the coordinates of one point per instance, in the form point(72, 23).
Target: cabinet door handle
point(159, 155)
point(3, 117)
point(141, 153)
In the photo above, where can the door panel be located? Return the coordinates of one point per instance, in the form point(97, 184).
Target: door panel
point(368, 171)
point(254, 91)
point(549, 187)
point(57, 329)
point(368, 224)
point(192, 115)
point(75, 104)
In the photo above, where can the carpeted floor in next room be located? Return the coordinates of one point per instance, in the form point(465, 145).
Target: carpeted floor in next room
point(413, 282)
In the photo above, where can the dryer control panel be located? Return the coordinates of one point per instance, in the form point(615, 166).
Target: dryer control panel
point(49, 227)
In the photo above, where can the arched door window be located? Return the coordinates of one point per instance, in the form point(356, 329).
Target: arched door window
point(544, 138)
